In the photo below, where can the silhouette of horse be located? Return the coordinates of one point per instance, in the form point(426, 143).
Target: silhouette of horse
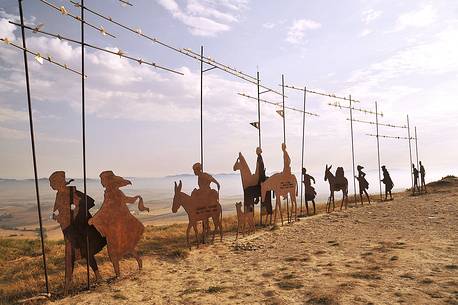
point(198, 210)
point(336, 183)
point(282, 185)
point(251, 188)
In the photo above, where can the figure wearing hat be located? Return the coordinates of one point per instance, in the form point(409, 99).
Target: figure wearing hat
point(204, 180)
point(309, 190)
point(388, 183)
point(363, 184)
point(70, 212)
point(116, 223)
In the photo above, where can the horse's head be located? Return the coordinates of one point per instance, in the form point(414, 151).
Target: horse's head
point(176, 198)
point(327, 172)
point(236, 166)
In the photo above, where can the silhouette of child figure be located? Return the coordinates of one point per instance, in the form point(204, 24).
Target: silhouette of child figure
point(388, 183)
point(422, 177)
point(363, 184)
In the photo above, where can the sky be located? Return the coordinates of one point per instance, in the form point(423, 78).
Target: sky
point(145, 122)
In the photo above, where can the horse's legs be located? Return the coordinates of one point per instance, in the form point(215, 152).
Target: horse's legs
point(361, 197)
point(314, 211)
point(115, 261)
point(343, 198)
point(137, 257)
point(187, 235)
point(279, 204)
point(287, 209)
point(275, 212)
point(306, 205)
point(194, 225)
point(94, 267)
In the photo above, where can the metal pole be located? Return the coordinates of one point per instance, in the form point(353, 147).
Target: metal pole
point(201, 107)
point(32, 139)
point(259, 136)
point(352, 148)
point(259, 111)
point(378, 152)
point(83, 119)
point(410, 154)
point(416, 148)
point(284, 132)
point(303, 143)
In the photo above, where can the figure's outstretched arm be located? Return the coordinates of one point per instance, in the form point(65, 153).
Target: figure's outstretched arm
point(131, 200)
point(216, 182)
point(313, 179)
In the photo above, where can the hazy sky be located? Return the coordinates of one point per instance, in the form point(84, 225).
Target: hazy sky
point(145, 122)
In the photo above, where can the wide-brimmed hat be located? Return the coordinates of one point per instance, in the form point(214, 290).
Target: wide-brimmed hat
point(359, 167)
point(383, 166)
point(113, 180)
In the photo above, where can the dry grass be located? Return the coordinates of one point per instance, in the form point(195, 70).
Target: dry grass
point(21, 265)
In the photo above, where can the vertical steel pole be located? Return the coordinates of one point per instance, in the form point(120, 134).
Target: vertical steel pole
point(284, 132)
point(201, 107)
point(259, 135)
point(303, 143)
point(32, 139)
point(410, 154)
point(259, 111)
point(83, 119)
point(378, 152)
point(352, 148)
point(416, 147)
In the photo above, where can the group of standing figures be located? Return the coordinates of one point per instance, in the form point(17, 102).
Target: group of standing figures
point(113, 224)
point(422, 188)
point(85, 235)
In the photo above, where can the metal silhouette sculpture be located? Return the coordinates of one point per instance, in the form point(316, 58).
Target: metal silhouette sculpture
point(388, 183)
point(415, 173)
point(200, 206)
point(336, 183)
point(70, 212)
point(282, 184)
point(115, 221)
point(251, 184)
point(363, 184)
point(244, 219)
point(309, 190)
point(422, 178)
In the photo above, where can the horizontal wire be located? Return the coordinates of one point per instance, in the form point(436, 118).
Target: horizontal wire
point(321, 93)
point(64, 11)
point(48, 58)
point(375, 123)
point(185, 51)
point(389, 137)
point(276, 104)
point(126, 2)
point(338, 105)
point(119, 53)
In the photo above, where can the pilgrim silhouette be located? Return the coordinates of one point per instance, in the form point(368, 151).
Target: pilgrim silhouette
point(70, 212)
point(309, 190)
point(422, 176)
point(363, 184)
point(415, 179)
point(388, 183)
point(114, 220)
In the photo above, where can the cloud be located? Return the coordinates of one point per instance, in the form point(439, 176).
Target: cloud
point(17, 134)
point(11, 115)
point(296, 31)
point(205, 17)
point(422, 17)
point(365, 32)
point(370, 15)
point(268, 25)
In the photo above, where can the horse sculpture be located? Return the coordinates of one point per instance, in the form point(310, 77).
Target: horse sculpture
point(251, 187)
point(336, 183)
point(282, 185)
point(198, 211)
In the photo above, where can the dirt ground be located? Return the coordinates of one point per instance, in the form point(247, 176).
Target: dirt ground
point(403, 251)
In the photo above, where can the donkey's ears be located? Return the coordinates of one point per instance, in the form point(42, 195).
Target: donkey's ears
point(180, 185)
point(175, 185)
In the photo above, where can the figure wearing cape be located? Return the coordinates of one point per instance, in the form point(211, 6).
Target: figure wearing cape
point(70, 211)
